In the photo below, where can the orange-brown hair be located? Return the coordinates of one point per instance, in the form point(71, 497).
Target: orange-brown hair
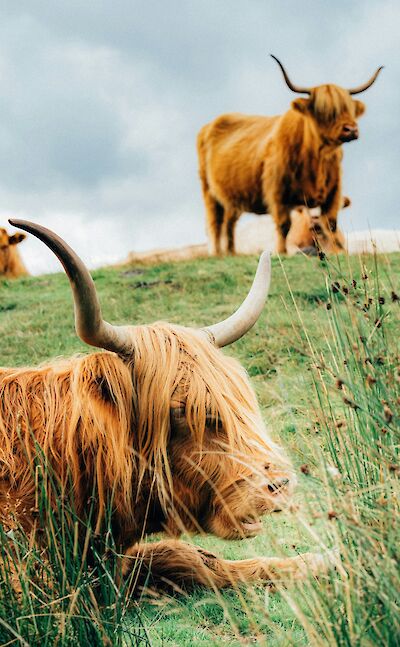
point(105, 424)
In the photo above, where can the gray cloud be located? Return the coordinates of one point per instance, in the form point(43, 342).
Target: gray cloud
point(100, 106)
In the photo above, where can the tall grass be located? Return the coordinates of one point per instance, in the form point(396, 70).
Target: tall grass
point(356, 409)
point(64, 592)
point(58, 580)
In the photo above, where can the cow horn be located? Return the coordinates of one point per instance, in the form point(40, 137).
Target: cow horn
point(89, 324)
point(365, 86)
point(227, 331)
point(290, 85)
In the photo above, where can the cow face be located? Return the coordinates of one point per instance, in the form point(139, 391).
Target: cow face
point(310, 232)
point(231, 474)
point(334, 112)
point(262, 488)
point(331, 107)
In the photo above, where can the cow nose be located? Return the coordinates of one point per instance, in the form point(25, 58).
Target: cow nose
point(308, 251)
point(278, 485)
point(350, 131)
point(312, 203)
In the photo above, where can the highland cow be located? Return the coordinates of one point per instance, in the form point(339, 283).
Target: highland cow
point(11, 264)
point(273, 164)
point(162, 424)
point(310, 233)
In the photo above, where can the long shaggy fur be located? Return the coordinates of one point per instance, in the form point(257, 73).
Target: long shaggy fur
point(76, 415)
point(101, 421)
point(330, 102)
point(171, 438)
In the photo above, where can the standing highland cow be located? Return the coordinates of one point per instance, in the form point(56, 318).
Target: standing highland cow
point(273, 164)
point(163, 424)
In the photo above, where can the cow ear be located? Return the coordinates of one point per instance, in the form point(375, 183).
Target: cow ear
point(359, 107)
point(16, 238)
point(346, 202)
point(302, 105)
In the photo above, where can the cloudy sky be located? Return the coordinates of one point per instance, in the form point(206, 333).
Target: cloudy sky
point(100, 104)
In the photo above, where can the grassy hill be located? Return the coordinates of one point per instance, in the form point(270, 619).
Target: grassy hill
point(324, 360)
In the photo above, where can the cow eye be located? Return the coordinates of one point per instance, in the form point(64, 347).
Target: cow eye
point(178, 412)
point(317, 229)
point(104, 390)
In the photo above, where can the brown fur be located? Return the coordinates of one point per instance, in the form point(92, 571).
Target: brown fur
point(274, 164)
point(172, 435)
point(11, 264)
point(311, 233)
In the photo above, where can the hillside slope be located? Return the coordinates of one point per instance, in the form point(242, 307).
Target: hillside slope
point(36, 324)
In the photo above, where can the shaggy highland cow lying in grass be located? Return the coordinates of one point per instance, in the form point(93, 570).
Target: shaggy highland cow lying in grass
point(163, 425)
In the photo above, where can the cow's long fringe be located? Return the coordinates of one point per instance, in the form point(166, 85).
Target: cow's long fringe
point(174, 365)
point(331, 101)
point(103, 424)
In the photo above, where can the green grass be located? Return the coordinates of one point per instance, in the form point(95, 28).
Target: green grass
point(319, 326)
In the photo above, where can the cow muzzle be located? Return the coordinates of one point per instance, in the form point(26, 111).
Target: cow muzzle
point(349, 132)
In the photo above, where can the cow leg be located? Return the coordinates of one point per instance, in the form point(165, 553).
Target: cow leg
point(230, 220)
point(178, 565)
point(215, 219)
point(330, 208)
point(281, 217)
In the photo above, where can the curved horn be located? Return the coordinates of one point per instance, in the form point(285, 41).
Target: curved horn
point(227, 331)
point(365, 86)
point(290, 85)
point(89, 324)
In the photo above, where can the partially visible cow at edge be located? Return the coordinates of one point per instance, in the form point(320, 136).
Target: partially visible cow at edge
point(11, 263)
point(163, 427)
point(270, 165)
